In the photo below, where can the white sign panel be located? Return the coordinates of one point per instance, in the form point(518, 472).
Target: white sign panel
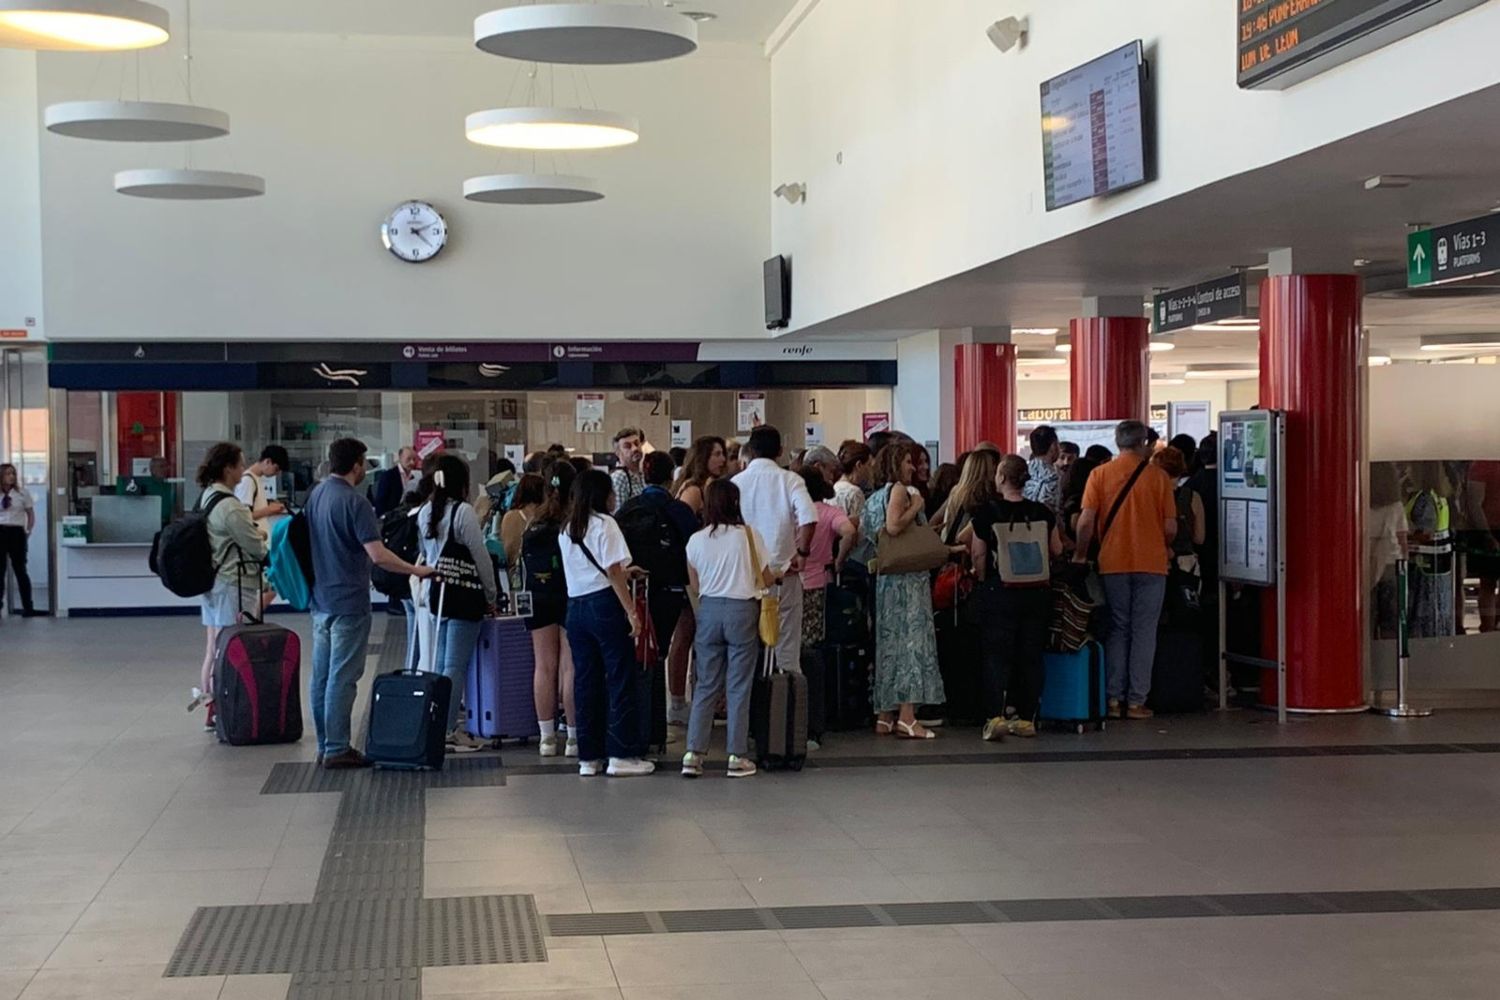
point(752, 411)
point(589, 413)
point(682, 434)
point(813, 434)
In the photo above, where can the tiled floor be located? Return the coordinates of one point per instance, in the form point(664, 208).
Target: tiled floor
point(118, 819)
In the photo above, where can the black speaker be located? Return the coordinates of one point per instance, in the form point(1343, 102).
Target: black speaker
point(778, 279)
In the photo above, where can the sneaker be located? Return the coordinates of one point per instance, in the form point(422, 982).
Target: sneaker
point(1139, 712)
point(629, 767)
point(1024, 728)
point(211, 720)
point(995, 730)
point(590, 768)
point(741, 767)
point(200, 698)
point(571, 749)
point(1116, 710)
point(345, 760)
point(461, 741)
point(692, 765)
point(547, 746)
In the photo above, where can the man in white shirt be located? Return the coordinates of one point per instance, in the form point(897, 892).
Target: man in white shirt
point(273, 461)
point(776, 503)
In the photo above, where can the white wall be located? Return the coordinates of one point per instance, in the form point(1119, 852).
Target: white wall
point(1039, 394)
point(20, 200)
point(344, 128)
point(922, 404)
point(940, 134)
point(1432, 412)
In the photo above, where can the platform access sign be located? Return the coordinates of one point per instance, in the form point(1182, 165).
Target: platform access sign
point(1453, 252)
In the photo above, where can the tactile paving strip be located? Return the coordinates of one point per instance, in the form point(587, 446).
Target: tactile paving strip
point(484, 770)
point(366, 984)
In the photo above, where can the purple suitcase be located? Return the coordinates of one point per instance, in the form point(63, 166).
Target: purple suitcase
point(498, 694)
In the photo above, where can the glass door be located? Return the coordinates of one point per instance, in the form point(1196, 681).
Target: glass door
point(25, 442)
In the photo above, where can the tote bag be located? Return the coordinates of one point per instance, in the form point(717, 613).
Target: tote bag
point(457, 576)
point(770, 604)
point(1023, 554)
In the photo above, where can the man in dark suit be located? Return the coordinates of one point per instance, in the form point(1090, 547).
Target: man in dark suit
point(392, 484)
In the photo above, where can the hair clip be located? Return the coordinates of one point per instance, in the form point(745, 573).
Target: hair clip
point(438, 479)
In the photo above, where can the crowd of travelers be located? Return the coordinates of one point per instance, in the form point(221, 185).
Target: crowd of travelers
point(728, 534)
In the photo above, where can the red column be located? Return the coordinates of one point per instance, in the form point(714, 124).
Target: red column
point(984, 395)
point(1111, 368)
point(1309, 367)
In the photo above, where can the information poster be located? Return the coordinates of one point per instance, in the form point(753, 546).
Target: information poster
point(874, 423)
point(516, 453)
point(682, 434)
point(588, 413)
point(429, 442)
point(1191, 418)
point(752, 411)
point(812, 434)
point(1248, 443)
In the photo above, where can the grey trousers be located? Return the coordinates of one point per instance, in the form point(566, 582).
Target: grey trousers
point(726, 652)
point(1135, 601)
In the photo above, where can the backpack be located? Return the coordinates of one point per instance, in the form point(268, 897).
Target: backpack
point(656, 545)
point(399, 532)
point(182, 554)
point(501, 495)
point(541, 564)
point(289, 569)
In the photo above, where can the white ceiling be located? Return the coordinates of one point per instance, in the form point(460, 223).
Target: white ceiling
point(738, 20)
point(1315, 203)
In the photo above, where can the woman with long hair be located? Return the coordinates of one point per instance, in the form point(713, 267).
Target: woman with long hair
point(531, 492)
point(602, 622)
point(729, 581)
point(448, 517)
point(976, 485)
point(17, 520)
point(238, 548)
point(906, 658)
point(540, 557)
point(708, 460)
point(1070, 502)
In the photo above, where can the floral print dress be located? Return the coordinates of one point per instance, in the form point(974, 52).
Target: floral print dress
point(906, 658)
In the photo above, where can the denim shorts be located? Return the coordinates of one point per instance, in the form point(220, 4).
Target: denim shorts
point(221, 605)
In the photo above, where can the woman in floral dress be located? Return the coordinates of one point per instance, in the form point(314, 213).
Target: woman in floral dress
point(906, 659)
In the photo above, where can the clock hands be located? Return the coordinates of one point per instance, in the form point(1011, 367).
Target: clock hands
point(418, 234)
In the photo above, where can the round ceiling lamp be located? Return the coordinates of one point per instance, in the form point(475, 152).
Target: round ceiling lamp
point(532, 189)
point(551, 128)
point(135, 121)
point(81, 25)
point(188, 185)
point(585, 33)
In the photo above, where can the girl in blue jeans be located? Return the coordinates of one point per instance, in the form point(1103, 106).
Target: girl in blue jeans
point(448, 515)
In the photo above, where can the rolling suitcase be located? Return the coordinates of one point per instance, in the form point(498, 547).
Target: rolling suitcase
point(409, 716)
point(846, 618)
point(1177, 678)
point(778, 717)
point(848, 687)
point(651, 674)
point(1074, 689)
point(499, 696)
point(257, 683)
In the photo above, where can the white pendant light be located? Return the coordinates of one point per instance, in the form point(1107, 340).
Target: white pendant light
point(188, 185)
point(586, 33)
point(135, 121)
point(551, 128)
point(532, 189)
point(81, 25)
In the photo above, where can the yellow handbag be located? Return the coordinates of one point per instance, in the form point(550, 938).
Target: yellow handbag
point(770, 604)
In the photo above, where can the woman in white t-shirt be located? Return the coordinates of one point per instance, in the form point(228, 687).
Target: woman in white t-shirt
point(728, 563)
point(601, 624)
point(17, 519)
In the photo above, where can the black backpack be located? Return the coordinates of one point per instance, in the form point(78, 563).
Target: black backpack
point(541, 564)
point(656, 545)
point(399, 532)
point(182, 554)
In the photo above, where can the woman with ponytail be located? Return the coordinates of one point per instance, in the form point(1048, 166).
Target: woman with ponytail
point(541, 573)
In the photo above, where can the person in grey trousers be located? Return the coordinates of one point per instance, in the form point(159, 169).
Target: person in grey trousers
point(1129, 509)
point(729, 567)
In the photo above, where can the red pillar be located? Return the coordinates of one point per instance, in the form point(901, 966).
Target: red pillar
point(1309, 367)
point(1111, 368)
point(984, 395)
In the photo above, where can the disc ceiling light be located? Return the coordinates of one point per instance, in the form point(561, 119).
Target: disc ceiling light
point(187, 184)
point(547, 129)
point(81, 25)
point(532, 189)
point(601, 34)
point(135, 121)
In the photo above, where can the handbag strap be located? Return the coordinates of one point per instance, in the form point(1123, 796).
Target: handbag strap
point(1120, 500)
point(757, 580)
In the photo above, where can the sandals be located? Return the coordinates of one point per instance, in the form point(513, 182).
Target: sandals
point(884, 727)
point(908, 731)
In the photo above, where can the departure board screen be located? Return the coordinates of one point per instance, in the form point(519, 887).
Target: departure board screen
point(1278, 37)
point(1094, 128)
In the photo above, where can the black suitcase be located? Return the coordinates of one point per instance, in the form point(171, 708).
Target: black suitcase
point(651, 678)
point(847, 683)
point(846, 616)
point(958, 663)
point(778, 717)
point(409, 717)
point(1177, 672)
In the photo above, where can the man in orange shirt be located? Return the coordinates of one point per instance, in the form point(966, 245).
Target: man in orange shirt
point(1128, 507)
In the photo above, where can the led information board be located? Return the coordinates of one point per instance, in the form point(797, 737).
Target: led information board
point(1282, 42)
point(1094, 128)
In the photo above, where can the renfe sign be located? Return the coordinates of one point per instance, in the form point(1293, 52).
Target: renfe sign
point(1282, 42)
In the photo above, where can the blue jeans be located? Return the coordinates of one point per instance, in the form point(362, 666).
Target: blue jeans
point(338, 662)
point(413, 653)
point(455, 650)
point(726, 651)
point(1135, 601)
point(604, 678)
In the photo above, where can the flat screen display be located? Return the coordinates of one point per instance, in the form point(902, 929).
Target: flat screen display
point(778, 281)
point(1094, 128)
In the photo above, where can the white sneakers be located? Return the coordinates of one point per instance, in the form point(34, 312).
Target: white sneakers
point(629, 767)
point(547, 746)
point(692, 765)
point(590, 768)
point(460, 741)
point(739, 767)
point(571, 750)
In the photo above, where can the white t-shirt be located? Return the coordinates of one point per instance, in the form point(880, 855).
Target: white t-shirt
point(721, 558)
point(605, 540)
point(15, 516)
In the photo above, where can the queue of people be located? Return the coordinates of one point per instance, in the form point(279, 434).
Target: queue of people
point(719, 530)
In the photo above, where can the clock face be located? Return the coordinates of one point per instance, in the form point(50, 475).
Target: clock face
point(415, 232)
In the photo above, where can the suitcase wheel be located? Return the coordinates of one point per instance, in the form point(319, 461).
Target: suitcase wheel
point(795, 765)
point(1080, 727)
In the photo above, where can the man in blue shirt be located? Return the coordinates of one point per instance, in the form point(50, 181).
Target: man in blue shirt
point(345, 537)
